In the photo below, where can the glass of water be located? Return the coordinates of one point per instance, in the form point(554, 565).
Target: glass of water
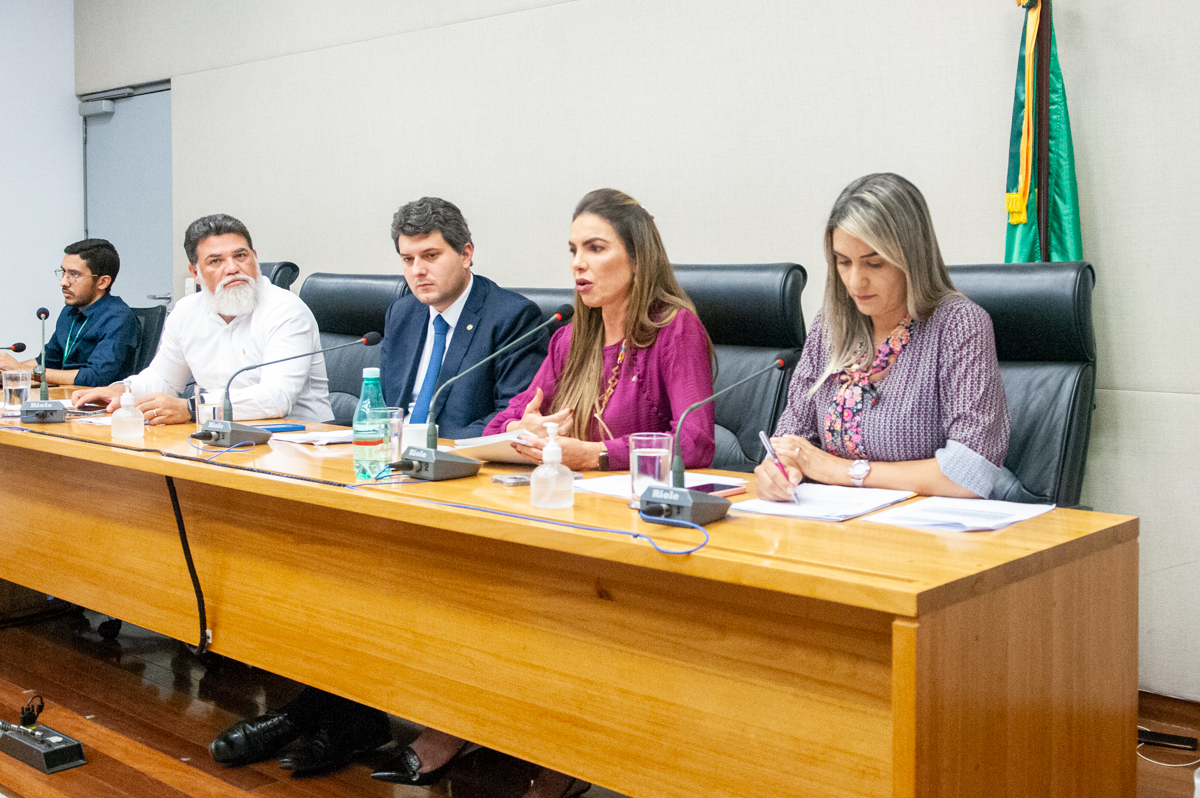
point(396, 432)
point(650, 460)
point(16, 389)
point(210, 405)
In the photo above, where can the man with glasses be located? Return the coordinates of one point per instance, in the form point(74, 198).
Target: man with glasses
point(95, 340)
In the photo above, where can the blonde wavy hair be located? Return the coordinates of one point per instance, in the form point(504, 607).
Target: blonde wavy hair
point(654, 298)
point(888, 214)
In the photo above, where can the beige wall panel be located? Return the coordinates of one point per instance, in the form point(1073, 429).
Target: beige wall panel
point(1131, 88)
point(735, 128)
point(127, 42)
point(1143, 462)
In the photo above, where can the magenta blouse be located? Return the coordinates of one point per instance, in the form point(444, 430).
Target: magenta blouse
point(656, 385)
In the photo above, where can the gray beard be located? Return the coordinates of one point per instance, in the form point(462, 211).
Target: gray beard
point(232, 300)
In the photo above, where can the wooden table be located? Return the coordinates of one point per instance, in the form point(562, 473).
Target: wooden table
point(786, 658)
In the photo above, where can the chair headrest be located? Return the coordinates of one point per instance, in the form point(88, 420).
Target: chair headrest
point(1040, 311)
point(281, 273)
point(548, 300)
point(351, 304)
point(748, 304)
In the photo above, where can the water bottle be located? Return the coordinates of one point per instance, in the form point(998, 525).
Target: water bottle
point(371, 420)
point(552, 486)
point(128, 421)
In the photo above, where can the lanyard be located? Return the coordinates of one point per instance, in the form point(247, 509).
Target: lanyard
point(71, 341)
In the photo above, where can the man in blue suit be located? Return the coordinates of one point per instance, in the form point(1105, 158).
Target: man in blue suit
point(450, 320)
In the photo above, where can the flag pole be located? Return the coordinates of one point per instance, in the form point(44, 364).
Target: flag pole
point(1045, 31)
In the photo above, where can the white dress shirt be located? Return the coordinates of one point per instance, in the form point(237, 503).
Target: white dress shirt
point(451, 315)
point(198, 343)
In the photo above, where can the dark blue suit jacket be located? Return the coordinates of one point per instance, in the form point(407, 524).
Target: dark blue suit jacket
point(495, 316)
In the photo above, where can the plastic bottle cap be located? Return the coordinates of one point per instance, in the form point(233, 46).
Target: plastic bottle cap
point(369, 373)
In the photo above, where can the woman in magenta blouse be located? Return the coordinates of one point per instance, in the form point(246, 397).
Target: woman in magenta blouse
point(633, 358)
point(898, 385)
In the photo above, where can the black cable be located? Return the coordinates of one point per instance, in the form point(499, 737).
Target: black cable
point(187, 555)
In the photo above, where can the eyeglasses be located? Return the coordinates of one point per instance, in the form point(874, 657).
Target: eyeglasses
point(72, 276)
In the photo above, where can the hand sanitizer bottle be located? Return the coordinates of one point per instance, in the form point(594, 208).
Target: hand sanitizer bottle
point(128, 421)
point(552, 486)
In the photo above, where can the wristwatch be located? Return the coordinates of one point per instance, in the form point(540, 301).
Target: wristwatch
point(859, 470)
point(603, 459)
point(191, 403)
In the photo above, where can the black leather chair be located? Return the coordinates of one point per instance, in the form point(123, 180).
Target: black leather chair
point(282, 273)
point(150, 324)
point(1042, 315)
point(752, 313)
point(348, 306)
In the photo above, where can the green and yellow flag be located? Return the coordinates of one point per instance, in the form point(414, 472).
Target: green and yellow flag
point(1065, 240)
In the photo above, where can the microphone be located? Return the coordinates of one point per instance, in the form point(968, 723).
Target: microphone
point(430, 464)
point(679, 503)
point(227, 433)
point(44, 389)
point(15, 348)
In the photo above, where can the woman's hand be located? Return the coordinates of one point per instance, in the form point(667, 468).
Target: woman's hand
point(816, 464)
point(769, 482)
point(577, 455)
point(535, 422)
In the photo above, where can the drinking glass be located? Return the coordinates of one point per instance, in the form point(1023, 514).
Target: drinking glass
point(210, 405)
point(650, 460)
point(396, 432)
point(16, 388)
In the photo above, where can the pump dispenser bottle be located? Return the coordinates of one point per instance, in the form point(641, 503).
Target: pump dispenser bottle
point(128, 421)
point(552, 486)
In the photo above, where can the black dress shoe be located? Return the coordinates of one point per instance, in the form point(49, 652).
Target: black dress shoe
point(254, 740)
point(333, 744)
point(405, 768)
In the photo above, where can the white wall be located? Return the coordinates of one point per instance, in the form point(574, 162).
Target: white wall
point(41, 169)
point(736, 125)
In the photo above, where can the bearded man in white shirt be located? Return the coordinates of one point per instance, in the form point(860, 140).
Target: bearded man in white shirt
point(237, 320)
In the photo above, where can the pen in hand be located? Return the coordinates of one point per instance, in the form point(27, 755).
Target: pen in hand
point(762, 436)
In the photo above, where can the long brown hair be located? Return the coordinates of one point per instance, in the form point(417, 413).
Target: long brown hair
point(889, 214)
point(654, 299)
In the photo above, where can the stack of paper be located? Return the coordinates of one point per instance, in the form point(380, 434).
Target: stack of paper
point(827, 502)
point(316, 438)
point(494, 448)
point(959, 515)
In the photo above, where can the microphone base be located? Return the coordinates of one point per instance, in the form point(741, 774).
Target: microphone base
point(421, 462)
point(227, 433)
point(43, 412)
point(684, 505)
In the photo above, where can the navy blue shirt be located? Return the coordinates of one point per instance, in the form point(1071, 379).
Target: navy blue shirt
point(102, 338)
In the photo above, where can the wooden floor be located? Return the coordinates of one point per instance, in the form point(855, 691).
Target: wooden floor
point(146, 708)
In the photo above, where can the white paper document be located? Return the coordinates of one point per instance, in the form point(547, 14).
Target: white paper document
point(621, 485)
point(827, 502)
point(493, 448)
point(959, 515)
point(316, 438)
point(99, 421)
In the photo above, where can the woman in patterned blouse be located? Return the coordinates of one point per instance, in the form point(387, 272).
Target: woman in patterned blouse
point(898, 385)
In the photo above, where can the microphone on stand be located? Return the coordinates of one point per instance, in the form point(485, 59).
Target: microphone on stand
point(18, 347)
point(44, 390)
point(430, 464)
point(226, 433)
point(677, 501)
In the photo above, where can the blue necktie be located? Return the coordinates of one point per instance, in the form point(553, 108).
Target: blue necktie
point(420, 413)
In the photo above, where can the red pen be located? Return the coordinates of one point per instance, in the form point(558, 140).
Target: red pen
point(762, 436)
